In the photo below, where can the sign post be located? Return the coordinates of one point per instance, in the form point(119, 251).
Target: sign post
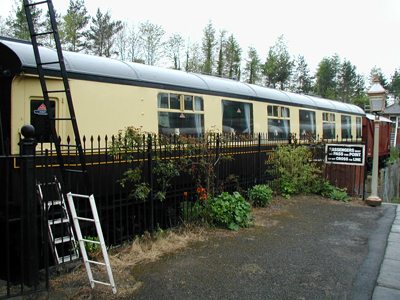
point(345, 154)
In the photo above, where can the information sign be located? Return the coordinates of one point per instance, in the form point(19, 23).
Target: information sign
point(345, 154)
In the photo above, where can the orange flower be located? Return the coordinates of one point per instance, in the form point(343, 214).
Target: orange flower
point(204, 196)
point(185, 194)
point(198, 190)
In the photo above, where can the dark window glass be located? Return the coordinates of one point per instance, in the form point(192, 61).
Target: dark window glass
point(180, 123)
point(39, 119)
point(359, 127)
point(162, 100)
point(346, 127)
point(237, 117)
point(198, 104)
point(307, 124)
point(188, 102)
point(175, 102)
point(278, 129)
point(329, 131)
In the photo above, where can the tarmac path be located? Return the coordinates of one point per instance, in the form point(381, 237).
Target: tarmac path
point(313, 249)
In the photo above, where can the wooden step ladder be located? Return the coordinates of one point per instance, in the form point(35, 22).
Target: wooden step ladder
point(46, 68)
point(61, 236)
point(77, 219)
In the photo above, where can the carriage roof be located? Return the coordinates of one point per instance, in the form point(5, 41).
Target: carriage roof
point(89, 67)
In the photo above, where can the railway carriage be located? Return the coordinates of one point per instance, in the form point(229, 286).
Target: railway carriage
point(110, 95)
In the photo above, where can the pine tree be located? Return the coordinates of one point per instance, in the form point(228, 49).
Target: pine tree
point(253, 66)
point(278, 65)
point(18, 23)
point(75, 22)
point(302, 80)
point(208, 48)
point(101, 36)
point(233, 55)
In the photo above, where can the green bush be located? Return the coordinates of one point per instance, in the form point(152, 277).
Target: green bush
point(296, 171)
point(260, 195)
point(231, 211)
point(330, 191)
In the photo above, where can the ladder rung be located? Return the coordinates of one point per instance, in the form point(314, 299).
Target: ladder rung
point(55, 91)
point(62, 119)
point(58, 221)
point(63, 239)
point(36, 3)
point(90, 241)
point(49, 63)
point(68, 258)
point(101, 282)
point(85, 219)
point(54, 202)
point(96, 262)
point(43, 33)
point(74, 171)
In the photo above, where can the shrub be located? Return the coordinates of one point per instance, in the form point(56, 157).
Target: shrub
point(260, 195)
point(296, 171)
point(232, 211)
point(330, 191)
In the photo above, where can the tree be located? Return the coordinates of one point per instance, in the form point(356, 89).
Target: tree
point(325, 85)
point(375, 71)
point(221, 51)
point(233, 56)
point(278, 65)
point(208, 47)
point(101, 36)
point(253, 66)
point(151, 39)
point(394, 86)
point(18, 24)
point(302, 80)
point(347, 82)
point(75, 22)
point(173, 48)
point(122, 41)
point(360, 98)
point(193, 57)
point(134, 45)
point(4, 29)
point(48, 27)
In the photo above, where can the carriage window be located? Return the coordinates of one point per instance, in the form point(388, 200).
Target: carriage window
point(329, 126)
point(307, 124)
point(359, 127)
point(185, 122)
point(237, 117)
point(39, 120)
point(346, 127)
point(278, 122)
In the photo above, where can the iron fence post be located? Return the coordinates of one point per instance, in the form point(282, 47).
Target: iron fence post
point(29, 218)
point(150, 166)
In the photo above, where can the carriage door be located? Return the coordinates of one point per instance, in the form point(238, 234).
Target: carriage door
point(39, 120)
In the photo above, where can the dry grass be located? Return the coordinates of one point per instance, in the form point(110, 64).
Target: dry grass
point(74, 284)
point(148, 248)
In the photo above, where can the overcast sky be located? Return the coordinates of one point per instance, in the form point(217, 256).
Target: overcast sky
point(365, 32)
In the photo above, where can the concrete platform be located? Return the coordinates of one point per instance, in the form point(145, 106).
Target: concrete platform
point(388, 283)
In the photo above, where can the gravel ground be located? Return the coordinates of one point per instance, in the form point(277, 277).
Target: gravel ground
point(309, 248)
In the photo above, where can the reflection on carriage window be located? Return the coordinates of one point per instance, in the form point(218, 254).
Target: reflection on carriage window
point(346, 127)
point(329, 126)
point(307, 124)
point(237, 117)
point(177, 115)
point(278, 122)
